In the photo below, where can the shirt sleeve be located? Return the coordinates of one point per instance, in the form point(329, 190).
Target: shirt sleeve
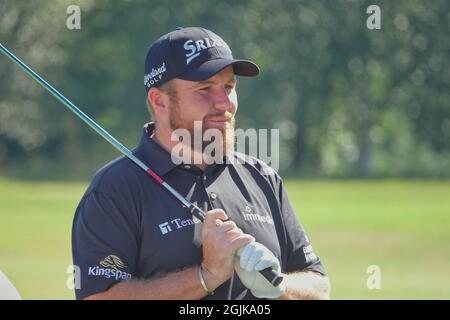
point(300, 255)
point(104, 245)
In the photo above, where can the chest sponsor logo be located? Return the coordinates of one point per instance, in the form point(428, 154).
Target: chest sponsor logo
point(251, 216)
point(165, 228)
point(110, 267)
point(176, 224)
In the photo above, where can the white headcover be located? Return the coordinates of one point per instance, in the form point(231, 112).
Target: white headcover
point(7, 290)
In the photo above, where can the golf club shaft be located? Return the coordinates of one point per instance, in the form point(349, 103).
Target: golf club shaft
point(272, 276)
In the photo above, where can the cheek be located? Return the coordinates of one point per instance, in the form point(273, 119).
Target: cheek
point(234, 101)
point(201, 105)
point(193, 107)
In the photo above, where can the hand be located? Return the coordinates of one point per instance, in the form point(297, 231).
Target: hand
point(251, 259)
point(221, 240)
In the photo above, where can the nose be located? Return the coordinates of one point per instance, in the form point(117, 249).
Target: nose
point(222, 100)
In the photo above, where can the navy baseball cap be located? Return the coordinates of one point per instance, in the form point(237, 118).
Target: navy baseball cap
point(194, 54)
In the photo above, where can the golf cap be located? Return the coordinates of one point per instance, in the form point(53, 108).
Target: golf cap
point(194, 54)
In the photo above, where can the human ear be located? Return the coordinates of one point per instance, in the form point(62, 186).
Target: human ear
point(159, 101)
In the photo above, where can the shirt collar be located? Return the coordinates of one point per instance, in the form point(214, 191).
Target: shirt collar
point(152, 154)
point(158, 158)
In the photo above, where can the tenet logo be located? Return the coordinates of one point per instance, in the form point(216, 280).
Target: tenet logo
point(165, 228)
point(176, 224)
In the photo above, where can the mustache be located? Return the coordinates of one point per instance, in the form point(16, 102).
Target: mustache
point(227, 116)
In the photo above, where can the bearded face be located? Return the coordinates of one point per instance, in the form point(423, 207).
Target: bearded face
point(200, 130)
point(205, 110)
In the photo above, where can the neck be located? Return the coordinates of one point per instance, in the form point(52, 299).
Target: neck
point(162, 136)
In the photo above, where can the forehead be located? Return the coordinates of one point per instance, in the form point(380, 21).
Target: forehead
point(224, 76)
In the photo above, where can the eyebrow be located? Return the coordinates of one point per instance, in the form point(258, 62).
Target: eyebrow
point(202, 83)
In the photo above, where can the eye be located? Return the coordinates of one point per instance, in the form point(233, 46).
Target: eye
point(229, 88)
point(204, 89)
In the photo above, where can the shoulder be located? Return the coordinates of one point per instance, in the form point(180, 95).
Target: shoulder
point(115, 191)
point(238, 158)
point(244, 162)
point(115, 176)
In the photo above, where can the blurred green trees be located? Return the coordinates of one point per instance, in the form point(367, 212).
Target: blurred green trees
point(349, 101)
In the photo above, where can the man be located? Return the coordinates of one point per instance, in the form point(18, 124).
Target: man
point(133, 240)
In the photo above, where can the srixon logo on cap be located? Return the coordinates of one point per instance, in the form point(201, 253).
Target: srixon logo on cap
point(195, 47)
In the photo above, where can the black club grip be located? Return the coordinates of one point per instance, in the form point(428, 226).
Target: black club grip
point(197, 212)
point(272, 276)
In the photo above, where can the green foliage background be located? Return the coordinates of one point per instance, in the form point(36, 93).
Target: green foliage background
point(349, 101)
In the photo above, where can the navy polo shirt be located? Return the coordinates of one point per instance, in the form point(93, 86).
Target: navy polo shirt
point(128, 227)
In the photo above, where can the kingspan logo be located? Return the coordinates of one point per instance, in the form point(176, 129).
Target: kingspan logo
point(112, 265)
point(177, 224)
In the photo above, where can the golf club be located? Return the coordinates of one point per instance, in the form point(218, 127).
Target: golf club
point(271, 275)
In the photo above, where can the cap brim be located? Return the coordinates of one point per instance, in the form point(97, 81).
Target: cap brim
point(209, 68)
